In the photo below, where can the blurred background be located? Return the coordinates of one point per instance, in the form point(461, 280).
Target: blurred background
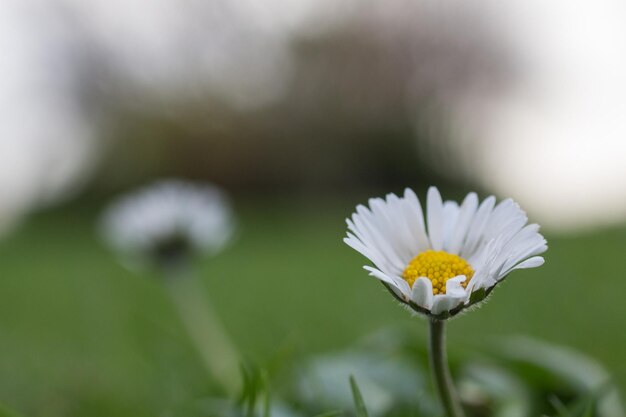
point(299, 109)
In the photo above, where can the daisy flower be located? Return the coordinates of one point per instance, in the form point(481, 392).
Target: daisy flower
point(169, 220)
point(449, 259)
point(165, 224)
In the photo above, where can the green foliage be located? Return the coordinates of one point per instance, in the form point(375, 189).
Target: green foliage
point(335, 413)
point(584, 407)
point(6, 412)
point(255, 388)
point(90, 338)
point(359, 404)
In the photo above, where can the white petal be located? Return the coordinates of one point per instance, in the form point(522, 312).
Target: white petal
point(435, 218)
point(444, 302)
point(533, 262)
point(474, 283)
point(477, 227)
point(462, 223)
point(450, 216)
point(415, 220)
point(525, 244)
point(506, 229)
point(396, 282)
point(368, 226)
point(359, 243)
point(401, 227)
point(454, 287)
point(422, 293)
point(494, 259)
point(486, 283)
point(507, 219)
point(385, 217)
point(537, 247)
point(482, 264)
point(369, 253)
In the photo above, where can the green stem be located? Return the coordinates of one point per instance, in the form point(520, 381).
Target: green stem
point(205, 329)
point(441, 373)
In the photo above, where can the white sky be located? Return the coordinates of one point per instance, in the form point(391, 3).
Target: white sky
point(558, 141)
point(44, 140)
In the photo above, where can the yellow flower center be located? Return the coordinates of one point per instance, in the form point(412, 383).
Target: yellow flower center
point(438, 267)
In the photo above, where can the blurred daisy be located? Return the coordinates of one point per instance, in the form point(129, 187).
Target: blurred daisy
point(465, 252)
point(166, 223)
point(169, 220)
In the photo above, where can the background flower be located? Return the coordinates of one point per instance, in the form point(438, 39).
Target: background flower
point(169, 219)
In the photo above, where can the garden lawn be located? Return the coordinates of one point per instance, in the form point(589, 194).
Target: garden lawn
point(81, 336)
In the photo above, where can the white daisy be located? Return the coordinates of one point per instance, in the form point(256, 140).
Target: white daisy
point(465, 252)
point(169, 219)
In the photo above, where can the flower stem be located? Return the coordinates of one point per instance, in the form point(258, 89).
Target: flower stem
point(205, 328)
point(441, 373)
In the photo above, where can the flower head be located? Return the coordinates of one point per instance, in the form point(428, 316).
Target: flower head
point(169, 220)
point(450, 260)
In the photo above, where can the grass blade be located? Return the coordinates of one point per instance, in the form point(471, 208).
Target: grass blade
point(558, 405)
point(266, 388)
point(361, 410)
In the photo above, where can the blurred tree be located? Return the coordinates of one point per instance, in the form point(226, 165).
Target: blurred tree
point(368, 102)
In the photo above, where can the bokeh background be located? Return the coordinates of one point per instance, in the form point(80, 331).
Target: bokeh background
point(299, 109)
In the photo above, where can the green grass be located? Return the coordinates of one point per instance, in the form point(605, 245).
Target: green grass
point(81, 336)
